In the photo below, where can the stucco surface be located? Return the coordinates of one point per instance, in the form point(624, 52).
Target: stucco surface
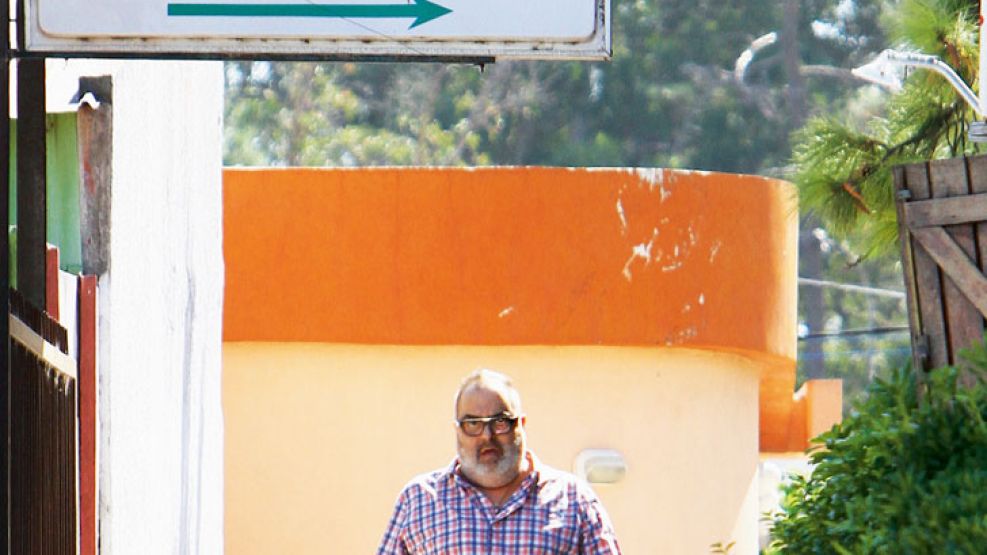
point(511, 256)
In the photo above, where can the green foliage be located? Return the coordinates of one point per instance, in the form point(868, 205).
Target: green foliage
point(832, 158)
point(314, 115)
point(905, 474)
point(936, 27)
point(843, 169)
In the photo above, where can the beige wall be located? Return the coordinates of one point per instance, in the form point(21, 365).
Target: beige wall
point(320, 438)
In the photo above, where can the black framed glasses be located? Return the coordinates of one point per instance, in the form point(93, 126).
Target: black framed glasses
point(499, 424)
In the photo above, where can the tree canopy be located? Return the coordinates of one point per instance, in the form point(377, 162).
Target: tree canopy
point(672, 96)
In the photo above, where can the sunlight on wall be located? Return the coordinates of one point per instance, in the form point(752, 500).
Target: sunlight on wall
point(321, 438)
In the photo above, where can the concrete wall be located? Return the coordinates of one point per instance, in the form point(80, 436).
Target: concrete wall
point(320, 438)
point(160, 305)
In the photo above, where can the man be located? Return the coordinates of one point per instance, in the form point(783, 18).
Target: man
point(496, 498)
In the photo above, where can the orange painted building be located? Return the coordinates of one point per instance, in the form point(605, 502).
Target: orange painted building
point(647, 311)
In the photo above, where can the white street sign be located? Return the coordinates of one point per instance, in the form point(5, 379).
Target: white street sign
point(329, 28)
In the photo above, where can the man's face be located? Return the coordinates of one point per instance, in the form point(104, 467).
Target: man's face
point(488, 460)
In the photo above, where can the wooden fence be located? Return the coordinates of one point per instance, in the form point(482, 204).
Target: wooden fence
point(43, 435)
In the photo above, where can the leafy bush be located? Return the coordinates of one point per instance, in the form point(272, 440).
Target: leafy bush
point(906, 473)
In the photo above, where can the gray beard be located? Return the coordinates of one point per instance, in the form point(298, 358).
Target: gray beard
point(487, 475)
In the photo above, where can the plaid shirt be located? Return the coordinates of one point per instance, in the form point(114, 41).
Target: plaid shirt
point(552, 512)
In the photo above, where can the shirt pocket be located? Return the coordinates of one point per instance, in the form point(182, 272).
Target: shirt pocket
point(556, 535)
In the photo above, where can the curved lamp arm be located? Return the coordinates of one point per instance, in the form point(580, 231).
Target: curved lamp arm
point(882, 71)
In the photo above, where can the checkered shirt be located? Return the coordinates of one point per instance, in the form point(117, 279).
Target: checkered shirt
point(552, 512)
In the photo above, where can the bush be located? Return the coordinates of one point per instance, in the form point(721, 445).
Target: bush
point(903, 474)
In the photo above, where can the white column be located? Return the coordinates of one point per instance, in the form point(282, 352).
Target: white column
point(160, 311)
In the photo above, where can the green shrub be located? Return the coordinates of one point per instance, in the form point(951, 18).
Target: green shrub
point(904, 474)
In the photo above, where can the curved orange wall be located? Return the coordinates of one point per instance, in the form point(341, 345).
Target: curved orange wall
point(510, 256)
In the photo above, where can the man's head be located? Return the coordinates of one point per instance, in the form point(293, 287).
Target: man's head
point(494, 456)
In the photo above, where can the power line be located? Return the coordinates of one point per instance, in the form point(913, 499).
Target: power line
point(865, 352)
point(854, 332)
point(891, 293)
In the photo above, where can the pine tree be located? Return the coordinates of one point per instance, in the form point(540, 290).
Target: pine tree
point(843, 167)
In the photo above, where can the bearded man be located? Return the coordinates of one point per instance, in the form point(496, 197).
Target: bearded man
point(496, 498)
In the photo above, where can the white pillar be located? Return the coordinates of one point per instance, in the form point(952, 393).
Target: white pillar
point(160, 311)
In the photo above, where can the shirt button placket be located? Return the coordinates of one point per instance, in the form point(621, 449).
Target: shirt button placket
point(491, 530)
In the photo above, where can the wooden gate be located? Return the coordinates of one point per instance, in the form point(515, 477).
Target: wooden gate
point(942, 221)
point(43, 434)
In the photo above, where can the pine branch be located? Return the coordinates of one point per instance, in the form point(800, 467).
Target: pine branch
point(930, 130)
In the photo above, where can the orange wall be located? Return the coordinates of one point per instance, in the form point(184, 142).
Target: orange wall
point(519, 256)
point(510, 256)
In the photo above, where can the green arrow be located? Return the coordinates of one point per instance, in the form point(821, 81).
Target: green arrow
point(422, 10)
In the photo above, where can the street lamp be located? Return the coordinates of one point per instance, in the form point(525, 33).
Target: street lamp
point(888, 68)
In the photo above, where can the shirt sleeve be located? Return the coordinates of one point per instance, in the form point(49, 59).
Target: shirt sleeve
point(393, 542)
point(596, 533)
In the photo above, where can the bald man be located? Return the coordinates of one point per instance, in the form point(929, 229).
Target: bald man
point(496, 498)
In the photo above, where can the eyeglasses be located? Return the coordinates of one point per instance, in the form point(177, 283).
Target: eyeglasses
point(500, 424)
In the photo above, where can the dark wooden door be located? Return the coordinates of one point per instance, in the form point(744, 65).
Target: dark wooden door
point(942, 220)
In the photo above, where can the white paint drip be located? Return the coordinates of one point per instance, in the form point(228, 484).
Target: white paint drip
point(702, 299)
point(715, 249)
point(623, 219)
point(687, 308)
point(506, 312)
point(656, 178)
point(672, 267)
point(641, 250)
